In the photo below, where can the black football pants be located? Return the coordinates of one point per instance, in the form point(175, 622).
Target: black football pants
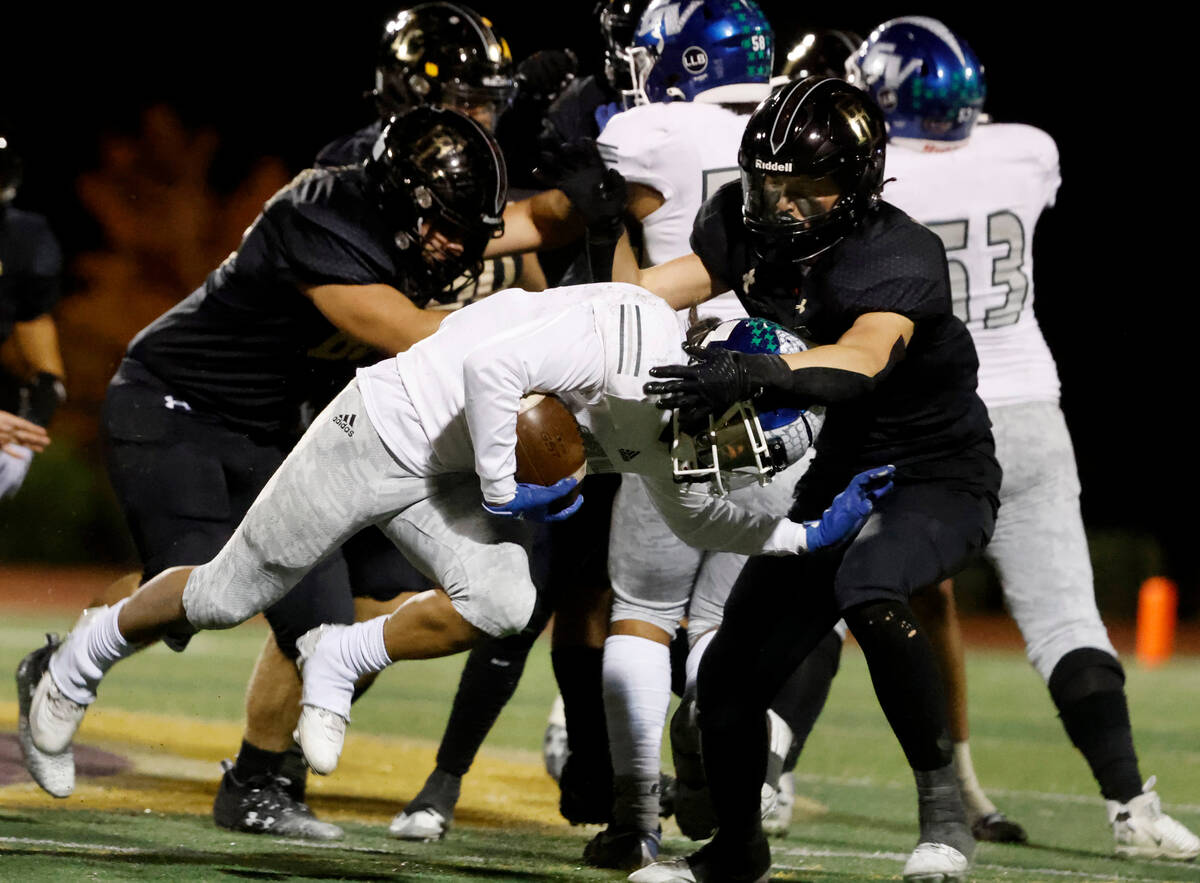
point(782, 607)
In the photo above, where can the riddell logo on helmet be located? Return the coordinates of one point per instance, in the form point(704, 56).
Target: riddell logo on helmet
point(767, 165)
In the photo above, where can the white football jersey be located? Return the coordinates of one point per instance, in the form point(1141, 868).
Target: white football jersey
point(449, 403)
point(983, 200)
point(685, 150)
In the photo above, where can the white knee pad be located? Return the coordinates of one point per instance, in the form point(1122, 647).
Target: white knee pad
point(665, 614)
point(215, 599)
point(491, 588)
point(1048, 648)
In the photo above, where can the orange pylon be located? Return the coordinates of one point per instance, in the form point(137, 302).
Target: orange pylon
point(1157, 601)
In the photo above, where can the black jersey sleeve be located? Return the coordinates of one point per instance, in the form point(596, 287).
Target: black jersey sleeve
point(319, 234)
point(30, 266)
point(711, 240)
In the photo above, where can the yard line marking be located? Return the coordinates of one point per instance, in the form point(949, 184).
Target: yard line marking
point(1049, 796)
point(67, 844)
point(805, 852)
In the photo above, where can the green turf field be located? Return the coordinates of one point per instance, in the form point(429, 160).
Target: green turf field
point(860, 828)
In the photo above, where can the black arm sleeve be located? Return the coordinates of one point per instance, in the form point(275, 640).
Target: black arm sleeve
point(600, 249)
point(823, 386)
point(41, 398)
point(817, 385)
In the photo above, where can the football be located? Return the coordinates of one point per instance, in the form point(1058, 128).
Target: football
point(549, 447)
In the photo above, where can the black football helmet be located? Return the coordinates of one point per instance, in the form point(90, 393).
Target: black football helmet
point(820, 53)
point(441, 183)
point(444, 54)
point(812, 166)
point(618, 26)
point(10, 171)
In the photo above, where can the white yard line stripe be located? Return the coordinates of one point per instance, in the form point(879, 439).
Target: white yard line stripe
point(1048, 796)
point(67, 844)
point(805, 852)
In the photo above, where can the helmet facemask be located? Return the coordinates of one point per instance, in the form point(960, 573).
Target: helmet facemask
point(744, 446)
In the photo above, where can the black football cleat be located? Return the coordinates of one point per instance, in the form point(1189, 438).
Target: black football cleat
point(262, 805)
point(623, 848)
point(996, 827)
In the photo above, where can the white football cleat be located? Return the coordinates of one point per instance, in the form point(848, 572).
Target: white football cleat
point(325, 707)
point(779, 819)
point(936, 863)
point(320, 735)
point(554, 740)
point(1142, 830)
point(675, 871)
point(53, 718)
point(55, 773)
point(421, 825)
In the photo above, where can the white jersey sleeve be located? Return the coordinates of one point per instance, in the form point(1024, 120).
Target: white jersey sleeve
point(983, 200)
point(562, 354)
point(704, 521)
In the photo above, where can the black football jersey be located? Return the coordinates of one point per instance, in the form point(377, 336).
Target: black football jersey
point(926, 409)
point(30, 268)
point(248, 346)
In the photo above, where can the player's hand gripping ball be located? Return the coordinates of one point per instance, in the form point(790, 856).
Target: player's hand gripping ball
point(550, 461)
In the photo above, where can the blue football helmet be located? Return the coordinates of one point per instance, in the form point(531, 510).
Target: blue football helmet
point(700, 50)
point(745, 446)
point(926, 79)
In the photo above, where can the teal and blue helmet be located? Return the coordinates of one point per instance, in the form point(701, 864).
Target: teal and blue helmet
point(701, 50)
point(924, 77)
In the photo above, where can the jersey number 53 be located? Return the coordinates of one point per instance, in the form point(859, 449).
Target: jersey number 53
point(974, 301)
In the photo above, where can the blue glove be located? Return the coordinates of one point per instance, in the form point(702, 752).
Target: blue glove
point(533, 502)
point(850, 509)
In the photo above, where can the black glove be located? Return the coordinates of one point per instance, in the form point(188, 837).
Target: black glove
point(597, 193)
point(542, 76)
point(718, 378)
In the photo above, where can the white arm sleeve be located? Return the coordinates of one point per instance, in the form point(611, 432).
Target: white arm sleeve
point(708, 522)
point(560, 354)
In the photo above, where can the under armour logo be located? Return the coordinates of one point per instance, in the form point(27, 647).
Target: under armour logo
point(171, 403)
point(345, 422)
point(627, 454)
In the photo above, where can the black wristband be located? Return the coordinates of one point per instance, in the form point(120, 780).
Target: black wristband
point(41, 397)
point(601, 246)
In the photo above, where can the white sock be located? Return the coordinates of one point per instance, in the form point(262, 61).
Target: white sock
point(637, 693)
point(90, 650)
point(692, 666)
point(346, 655)
point(977, 803)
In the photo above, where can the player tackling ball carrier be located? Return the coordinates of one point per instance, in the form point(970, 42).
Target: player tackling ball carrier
point(413, 445)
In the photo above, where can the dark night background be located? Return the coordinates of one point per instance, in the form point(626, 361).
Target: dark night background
point(275, 80)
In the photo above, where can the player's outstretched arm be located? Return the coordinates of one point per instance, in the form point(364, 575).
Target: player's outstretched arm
point(718, 377)
point(376, 314)
point(849, 510)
